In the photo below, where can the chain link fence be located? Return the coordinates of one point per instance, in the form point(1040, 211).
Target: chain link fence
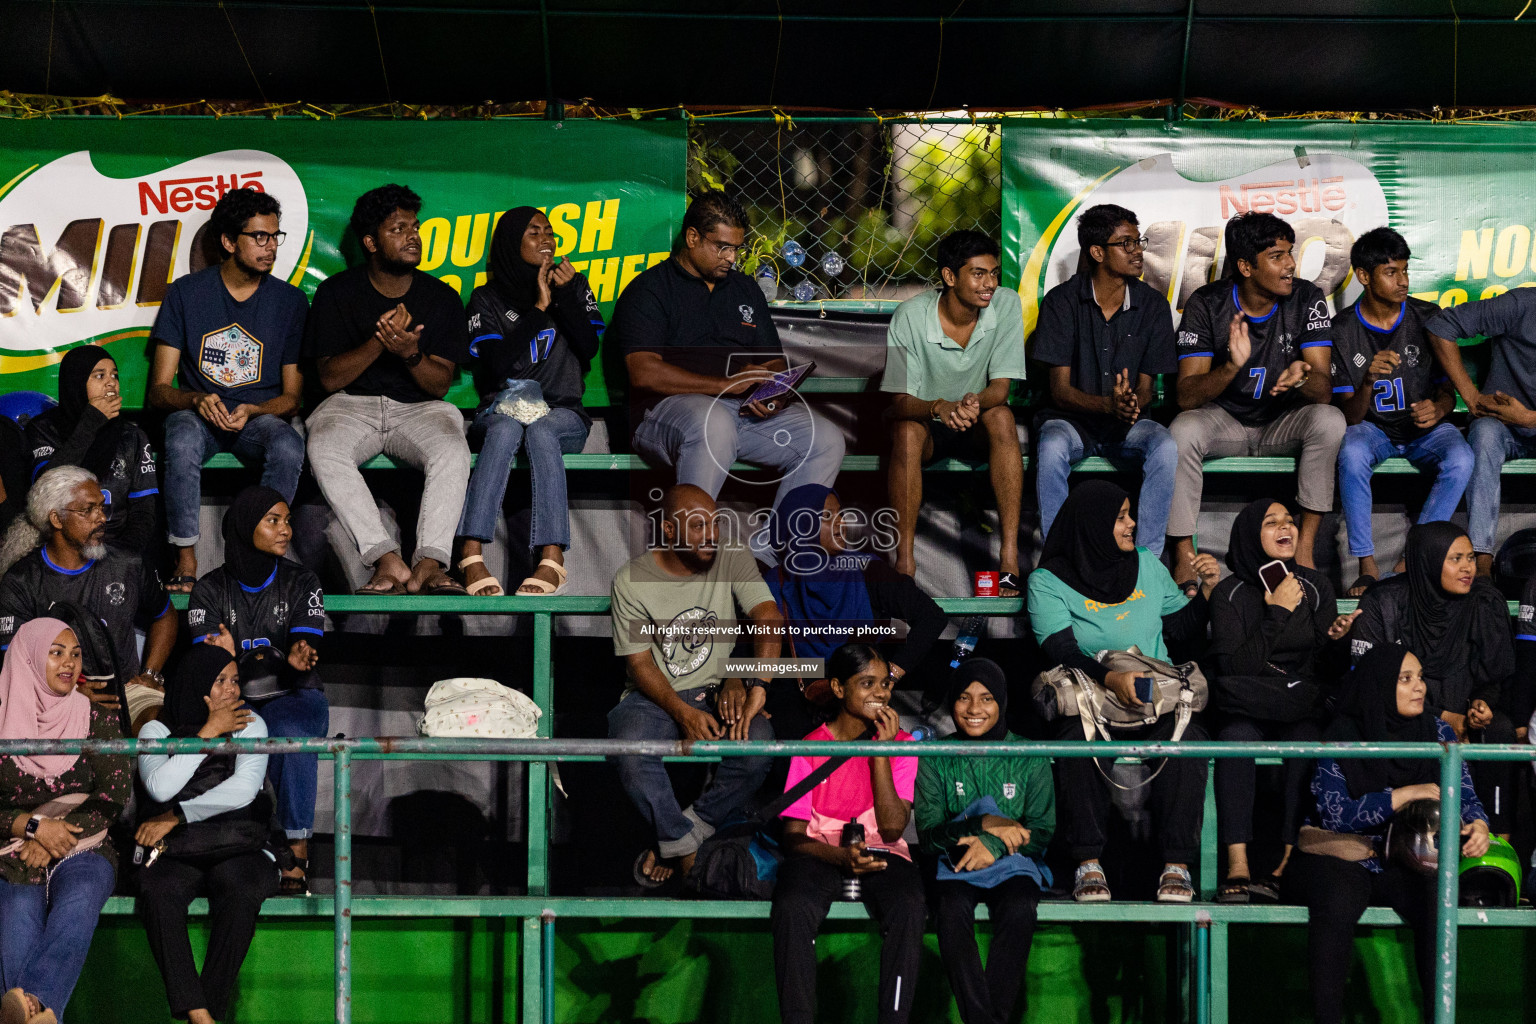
point(850, 209)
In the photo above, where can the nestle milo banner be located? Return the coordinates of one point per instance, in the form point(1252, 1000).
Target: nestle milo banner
point(1463, 196)
point(98, 216)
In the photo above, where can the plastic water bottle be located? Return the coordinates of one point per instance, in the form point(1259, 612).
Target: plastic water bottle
point(832, 264)
point(793, 253)
point(965, 642)
point(804, 291)
point(768, 282)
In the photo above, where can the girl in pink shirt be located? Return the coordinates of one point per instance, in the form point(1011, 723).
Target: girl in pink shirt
point(875, 792)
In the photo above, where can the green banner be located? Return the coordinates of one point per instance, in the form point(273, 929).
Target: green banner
point(99, 216)
point(1460, 194)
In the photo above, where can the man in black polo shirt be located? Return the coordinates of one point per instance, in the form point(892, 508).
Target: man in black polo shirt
point(1255, 351)
point(1105, 335)
point(63, 558)
point(697, 337)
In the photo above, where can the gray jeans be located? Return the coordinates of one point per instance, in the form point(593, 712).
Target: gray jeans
point(1210, 432)
point(348, 430)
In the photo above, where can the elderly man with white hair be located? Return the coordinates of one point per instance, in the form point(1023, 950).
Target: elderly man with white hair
point(55, 556)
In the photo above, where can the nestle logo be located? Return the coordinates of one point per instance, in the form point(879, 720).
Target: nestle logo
point(1282, 197)
point(179, 195)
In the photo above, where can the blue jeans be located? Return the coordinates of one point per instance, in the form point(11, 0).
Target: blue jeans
point(680, 832)
point(1492, 442)
point(191, 440)
point(297, 715)
point(43, 945)
point(1060, 446)
point(1366, 446)
point(497, 438)
point(702, 435)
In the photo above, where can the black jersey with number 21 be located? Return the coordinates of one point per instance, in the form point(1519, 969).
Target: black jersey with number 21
point(1297, 322)
point(1355, 344)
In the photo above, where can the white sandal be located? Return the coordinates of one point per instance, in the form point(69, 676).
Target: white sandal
point(546, 589)
point(479, 587)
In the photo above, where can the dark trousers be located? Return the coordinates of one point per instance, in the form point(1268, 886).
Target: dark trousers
point(987, 997)
point(1336, 892)
point(1177, 799)
point(235, 887)
point(1235, 777)
point(1495, 781)
point(804, 892)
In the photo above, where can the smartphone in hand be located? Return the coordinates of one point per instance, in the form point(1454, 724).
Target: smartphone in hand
point(1272, 574)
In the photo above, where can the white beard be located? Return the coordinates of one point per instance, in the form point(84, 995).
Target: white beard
point(94, 551)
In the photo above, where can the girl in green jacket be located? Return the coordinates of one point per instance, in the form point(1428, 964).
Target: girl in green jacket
point(987, 820)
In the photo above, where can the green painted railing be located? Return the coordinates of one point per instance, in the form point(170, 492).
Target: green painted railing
point(538, 911)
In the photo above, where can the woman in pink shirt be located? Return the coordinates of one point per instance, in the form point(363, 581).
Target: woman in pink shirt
point(872, 792)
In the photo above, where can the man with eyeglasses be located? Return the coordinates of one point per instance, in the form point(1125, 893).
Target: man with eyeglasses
point(952, 354)
point(62, 557)
point(232, 334)
point(697, 337)
point(1104, 336)
point(1255, 352)
point(387, 340)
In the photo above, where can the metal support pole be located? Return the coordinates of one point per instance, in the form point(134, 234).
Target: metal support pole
point(342, 779)
point(1176, 111)
point(538, 772)
point(1450, 858)
point(547, 956)
point(1203, 969)
point(531, 952)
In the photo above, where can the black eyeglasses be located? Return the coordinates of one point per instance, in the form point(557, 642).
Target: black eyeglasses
point(1129, 244)
point(261, 238)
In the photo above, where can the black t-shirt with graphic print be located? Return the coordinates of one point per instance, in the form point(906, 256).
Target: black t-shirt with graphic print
point(1355, 344)
point(1297, 322)
point(116, 588)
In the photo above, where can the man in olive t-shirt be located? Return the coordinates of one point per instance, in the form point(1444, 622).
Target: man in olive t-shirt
point(672, 611)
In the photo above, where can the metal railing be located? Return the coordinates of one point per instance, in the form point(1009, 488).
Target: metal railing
point(538, 929)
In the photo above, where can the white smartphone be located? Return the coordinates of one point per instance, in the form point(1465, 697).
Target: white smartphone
point(1272, 574)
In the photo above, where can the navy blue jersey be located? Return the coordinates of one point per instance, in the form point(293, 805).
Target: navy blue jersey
point(1297, 322)
point(1355, 344)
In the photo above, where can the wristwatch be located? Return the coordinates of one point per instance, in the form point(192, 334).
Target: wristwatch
point(156, 676)
point(414, 359)
point(32, 824)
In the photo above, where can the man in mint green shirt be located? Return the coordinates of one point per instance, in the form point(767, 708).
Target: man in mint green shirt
point(951, 356)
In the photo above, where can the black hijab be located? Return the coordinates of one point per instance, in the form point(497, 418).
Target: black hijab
point(185, 712)
point(513, 278)
point(1245, 549)
point(1368, 713)
point(244, 562)
point(1081, 550)
point(988, 674)
point(1442, 625)
point(74, 373)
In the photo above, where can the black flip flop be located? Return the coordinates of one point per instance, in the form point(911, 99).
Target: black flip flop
point(180, 581)
point(1265, 890)
point(1008, 581)
point(1236, 889)
point(644, 880)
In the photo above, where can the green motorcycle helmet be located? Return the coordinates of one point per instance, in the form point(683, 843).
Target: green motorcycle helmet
point(1492, 880)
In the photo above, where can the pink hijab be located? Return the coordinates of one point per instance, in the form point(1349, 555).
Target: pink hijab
point(30, 710)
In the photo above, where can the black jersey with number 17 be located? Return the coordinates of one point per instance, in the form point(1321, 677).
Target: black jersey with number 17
point(1297, 322)
point(1355, 344)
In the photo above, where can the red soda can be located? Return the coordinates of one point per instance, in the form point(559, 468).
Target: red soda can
point(986, 584)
